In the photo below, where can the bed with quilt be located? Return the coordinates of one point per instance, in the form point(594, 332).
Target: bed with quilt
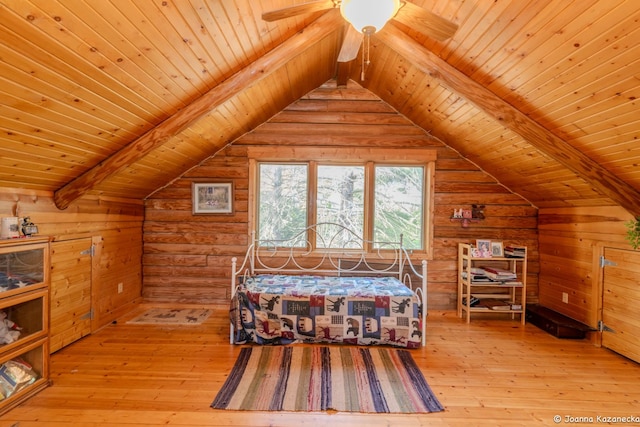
point(284, 293)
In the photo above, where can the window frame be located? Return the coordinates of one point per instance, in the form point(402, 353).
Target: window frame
point(367, 157)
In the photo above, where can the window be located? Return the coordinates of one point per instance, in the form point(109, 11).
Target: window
point(399, 205)
point(379, 194)
point(340, 199)
point(282, 200)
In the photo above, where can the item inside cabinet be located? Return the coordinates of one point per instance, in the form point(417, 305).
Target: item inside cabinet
point(20, 269)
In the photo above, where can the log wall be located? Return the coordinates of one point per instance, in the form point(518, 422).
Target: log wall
point(117, 223)
point(571, 242)
point(187, 257)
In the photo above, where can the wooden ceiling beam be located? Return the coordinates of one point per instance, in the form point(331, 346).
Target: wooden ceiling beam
point(548, 143)
point(154, 138)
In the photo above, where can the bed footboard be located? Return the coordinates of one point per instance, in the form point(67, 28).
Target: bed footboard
point(421, 293)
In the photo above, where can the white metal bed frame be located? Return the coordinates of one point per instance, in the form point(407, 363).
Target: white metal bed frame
point(364, 257)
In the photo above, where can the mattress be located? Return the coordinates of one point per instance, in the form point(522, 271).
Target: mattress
point(281, 309)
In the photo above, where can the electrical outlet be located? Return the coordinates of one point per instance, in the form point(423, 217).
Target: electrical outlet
point(120, 287)
point(565, 298)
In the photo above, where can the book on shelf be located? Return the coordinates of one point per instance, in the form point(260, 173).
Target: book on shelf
point(511, 251)
point(473, 301)
point(476, 277)
point(489, 282)
point(496, 304)
point(499, 274)
point(511, 283)
point(485, 282)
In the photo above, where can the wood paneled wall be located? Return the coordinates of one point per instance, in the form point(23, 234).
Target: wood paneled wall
point(509, 219)
point(187, 257)
point(118, 223)
point(571, 242)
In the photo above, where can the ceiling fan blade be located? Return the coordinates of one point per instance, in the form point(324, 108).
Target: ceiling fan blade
point(299, 9)
point(350, 45)
point(428, 23)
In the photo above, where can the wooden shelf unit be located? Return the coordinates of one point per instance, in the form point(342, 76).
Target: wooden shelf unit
point(515, 293)
point(24, 298)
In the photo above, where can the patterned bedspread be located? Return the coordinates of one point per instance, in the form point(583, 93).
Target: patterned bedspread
point(280, 309)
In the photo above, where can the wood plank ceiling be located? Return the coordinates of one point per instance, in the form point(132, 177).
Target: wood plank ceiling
point(117, 98)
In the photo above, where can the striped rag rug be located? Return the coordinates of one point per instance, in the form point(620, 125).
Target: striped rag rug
point(320, 378)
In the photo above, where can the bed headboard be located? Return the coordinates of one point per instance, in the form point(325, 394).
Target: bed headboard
point(340, 251)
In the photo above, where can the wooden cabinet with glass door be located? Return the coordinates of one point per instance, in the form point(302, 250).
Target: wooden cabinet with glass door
point(24, 311)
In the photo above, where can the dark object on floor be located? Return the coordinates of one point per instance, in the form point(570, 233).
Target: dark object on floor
point(555, 323)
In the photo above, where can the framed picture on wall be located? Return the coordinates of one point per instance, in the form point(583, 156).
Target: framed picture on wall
point(496, 249)
point(212, 198)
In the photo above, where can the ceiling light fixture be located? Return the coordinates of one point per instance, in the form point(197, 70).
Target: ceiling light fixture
point(369, 16)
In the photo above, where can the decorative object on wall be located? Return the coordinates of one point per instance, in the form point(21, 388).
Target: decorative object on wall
point(477, 211)
point(9, 228)
point(28, 227)
point(633, 232)
point(212, 198)
point(467, 216)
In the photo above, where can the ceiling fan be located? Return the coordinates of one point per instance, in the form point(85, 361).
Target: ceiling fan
point(368, 16)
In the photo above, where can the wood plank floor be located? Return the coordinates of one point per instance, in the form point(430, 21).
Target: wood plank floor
point(490, 372)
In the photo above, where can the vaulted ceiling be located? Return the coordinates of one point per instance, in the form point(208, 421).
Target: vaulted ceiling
point(119, 97)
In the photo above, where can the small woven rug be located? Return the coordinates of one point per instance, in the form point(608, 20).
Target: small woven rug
point(172, 316)
point(320, 378)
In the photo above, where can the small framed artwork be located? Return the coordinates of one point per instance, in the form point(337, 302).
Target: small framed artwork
point(496, 249)
point(212, 198)
point(484, 248)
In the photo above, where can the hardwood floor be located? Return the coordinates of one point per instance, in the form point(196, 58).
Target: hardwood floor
point(490, 372)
